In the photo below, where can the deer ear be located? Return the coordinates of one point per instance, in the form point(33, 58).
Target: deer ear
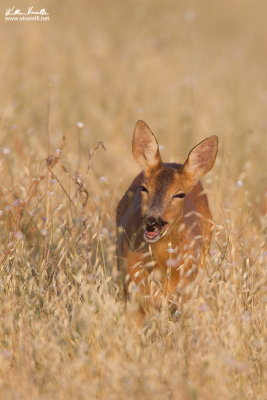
point(201, 158)
point(145, 147)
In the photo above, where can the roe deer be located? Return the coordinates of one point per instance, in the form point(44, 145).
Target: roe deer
point(163, 220)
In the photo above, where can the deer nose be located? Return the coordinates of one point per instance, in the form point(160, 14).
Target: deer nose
point(151, 223)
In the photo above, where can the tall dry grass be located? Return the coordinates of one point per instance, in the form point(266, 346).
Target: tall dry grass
point(190, 70)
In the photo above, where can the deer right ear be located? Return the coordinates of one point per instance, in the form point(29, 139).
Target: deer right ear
point(201, 158)
point(145, 147)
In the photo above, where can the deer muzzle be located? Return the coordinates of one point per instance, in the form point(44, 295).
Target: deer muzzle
point(154, 228)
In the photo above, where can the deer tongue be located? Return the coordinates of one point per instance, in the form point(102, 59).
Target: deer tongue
point(152, 234)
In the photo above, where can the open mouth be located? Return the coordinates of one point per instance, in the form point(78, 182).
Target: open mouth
point(156, 234)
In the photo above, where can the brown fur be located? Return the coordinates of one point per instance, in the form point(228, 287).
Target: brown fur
point(155, 269)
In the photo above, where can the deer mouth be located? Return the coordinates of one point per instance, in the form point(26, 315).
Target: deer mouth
point(156, 234)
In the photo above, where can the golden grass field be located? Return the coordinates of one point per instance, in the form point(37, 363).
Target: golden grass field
point(190, 70)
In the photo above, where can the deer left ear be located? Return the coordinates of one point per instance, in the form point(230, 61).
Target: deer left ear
point(145, 147)
point(201, 158)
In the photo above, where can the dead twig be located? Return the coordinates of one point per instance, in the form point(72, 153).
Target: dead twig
point(81, 188)
point(62, 187)
point(91, 154)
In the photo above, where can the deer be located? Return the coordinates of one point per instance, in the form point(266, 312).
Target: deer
point(164, 223)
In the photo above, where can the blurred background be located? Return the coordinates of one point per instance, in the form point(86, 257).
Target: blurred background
point(189, 69)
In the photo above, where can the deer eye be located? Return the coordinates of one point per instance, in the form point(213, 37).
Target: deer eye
point(143, 189)
point(179, 196)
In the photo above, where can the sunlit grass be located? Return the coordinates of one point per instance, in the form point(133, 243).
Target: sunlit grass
point(69, 102)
